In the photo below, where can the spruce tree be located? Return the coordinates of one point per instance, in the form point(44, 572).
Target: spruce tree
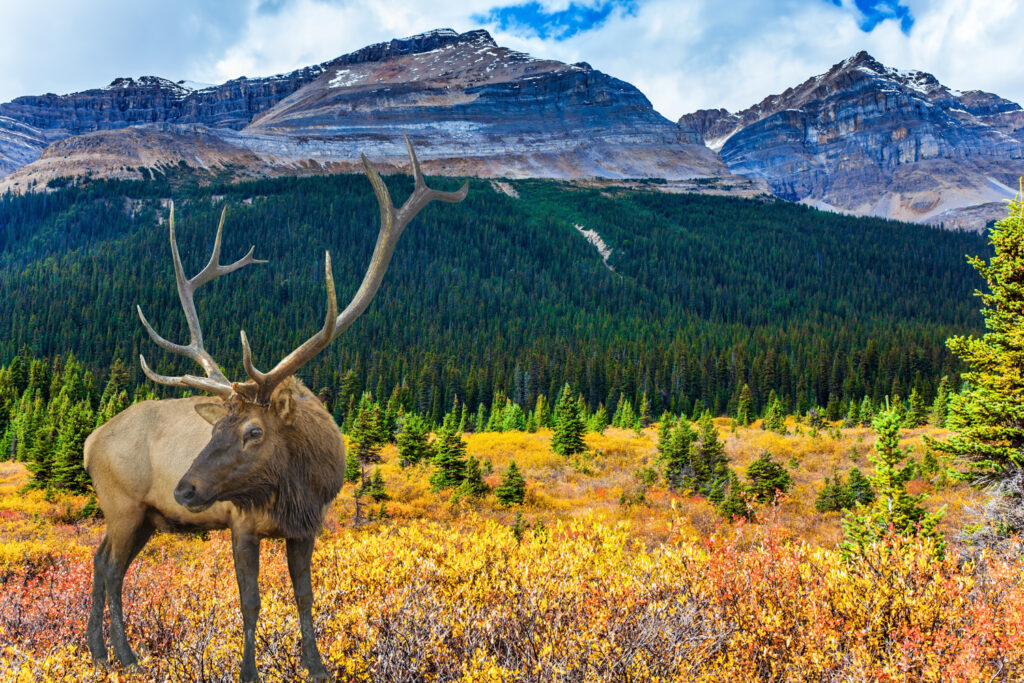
point(893, 506)
point(568, 437)
point(472, 485)
point(852, 415)
point(743, 407)
point(867, 412)
point(413, 440)
point(643, 417)
point(677, 455)
point(991, 437)
point(917, 411)
point(767, 478)
point(542, 413)
point(449, 457)
point(833, 496)
point(368, 435)
point(708, 459)
point(940, 406)
point(775, 417)
point(730, 498)
point(599, 420)
point(665, 426)
point(858, 488)
point(480, 421)
point(68, 470)
point(512, 490)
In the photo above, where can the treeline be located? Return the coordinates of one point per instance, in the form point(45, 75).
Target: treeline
point(502, 297)
point(48, 408)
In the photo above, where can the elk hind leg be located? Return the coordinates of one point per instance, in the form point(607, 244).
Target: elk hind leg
point(94, 630)
point(300, 553)
point(126, 536)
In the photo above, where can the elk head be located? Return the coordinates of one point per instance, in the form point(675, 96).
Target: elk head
point(270, 427)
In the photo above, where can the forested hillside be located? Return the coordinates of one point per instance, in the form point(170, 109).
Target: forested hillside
point(700, 295)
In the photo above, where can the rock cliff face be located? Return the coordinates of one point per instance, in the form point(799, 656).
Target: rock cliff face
point(470, 106)
point(29, 124)
point(866, 139)
point(474, 107)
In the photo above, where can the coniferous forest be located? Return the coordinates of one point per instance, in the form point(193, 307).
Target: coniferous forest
point(701, 295)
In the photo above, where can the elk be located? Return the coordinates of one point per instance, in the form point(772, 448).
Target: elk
point(262, 458)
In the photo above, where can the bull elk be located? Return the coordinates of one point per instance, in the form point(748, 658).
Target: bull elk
point(269, 467)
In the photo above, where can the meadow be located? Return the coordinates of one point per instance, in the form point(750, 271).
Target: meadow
point(601, 574)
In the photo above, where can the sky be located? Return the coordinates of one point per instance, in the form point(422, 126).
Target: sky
point(683, 55)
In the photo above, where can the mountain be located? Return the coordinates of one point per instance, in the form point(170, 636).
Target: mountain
point(470, 106)
point(866, 139)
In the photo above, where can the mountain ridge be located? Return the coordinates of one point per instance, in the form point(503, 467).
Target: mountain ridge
point(867, 139)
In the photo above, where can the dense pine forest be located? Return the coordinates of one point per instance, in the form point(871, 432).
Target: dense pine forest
point(700, 296)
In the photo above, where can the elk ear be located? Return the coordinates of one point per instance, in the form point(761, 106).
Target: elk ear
point(284, 404)
point(212, 412)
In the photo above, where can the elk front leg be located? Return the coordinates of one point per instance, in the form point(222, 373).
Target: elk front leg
point(300, 553)
point(246, 549)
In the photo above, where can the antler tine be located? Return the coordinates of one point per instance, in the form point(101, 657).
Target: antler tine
point(392, 224)
point(215, 381)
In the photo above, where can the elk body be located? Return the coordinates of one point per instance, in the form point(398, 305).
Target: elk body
point(262, 458)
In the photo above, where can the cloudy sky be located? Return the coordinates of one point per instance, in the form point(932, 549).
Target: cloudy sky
point(683, 54)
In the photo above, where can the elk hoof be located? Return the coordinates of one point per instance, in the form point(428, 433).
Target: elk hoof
point(98, 650)
point(318, 673)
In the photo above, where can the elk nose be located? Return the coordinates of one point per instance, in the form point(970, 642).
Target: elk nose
point(184, 493)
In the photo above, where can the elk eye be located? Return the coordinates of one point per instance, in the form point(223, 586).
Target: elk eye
point(253, 433)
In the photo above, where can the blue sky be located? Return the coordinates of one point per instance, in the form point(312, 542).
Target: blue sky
point(683, 54)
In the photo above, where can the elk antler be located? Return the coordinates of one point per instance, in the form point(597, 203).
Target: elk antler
point(215, 382)
point(392, 223)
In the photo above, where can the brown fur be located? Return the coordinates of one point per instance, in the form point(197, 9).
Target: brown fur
point(305, 470)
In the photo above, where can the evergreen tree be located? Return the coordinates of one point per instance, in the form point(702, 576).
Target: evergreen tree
point(708, 459)
point(677, 455)
point(480, 421)
point(413, 440)
point(376, 489)
point(775, 417)
point(513, 418)
point(665, 426)
point(68, 468)
point(599, 420)
point(858, 489)
point(472, 485)
point(991, 437)
point(940, 406)
point(743, 407)
point(730, 498)
point(893, 506)
point(542, 413)
point(852, 415)
point(497, 418)
point(767, 478)
point(867, 412)
point(368, 436)
point(834, 495)
point(643, 417)
point(917, 411)
point(449, 458)
point(512, 490)
point(832, 408)
point(568, 437)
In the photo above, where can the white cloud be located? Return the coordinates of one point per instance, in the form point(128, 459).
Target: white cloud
point(682, 55)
